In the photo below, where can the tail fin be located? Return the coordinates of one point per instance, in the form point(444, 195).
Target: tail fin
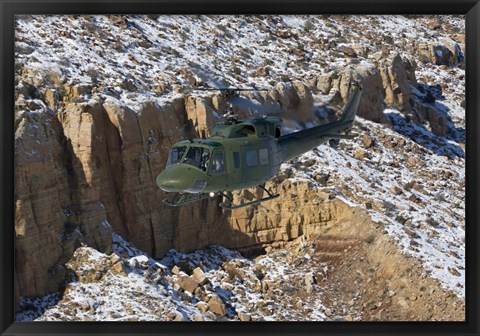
point(350, 110)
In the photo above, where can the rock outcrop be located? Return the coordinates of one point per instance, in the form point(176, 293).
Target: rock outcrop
point(396, 84)
point(43, 186)
point(278, 220)
point(90, 167)
point(372, 102)
point(388, 83)
point(445, 52)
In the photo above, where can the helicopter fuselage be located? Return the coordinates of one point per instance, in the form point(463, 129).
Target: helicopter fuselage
point(244, 154)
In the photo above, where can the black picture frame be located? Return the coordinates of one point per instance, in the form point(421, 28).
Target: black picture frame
point(11, 8)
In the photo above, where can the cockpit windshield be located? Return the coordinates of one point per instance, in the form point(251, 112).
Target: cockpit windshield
point(176, 154)
point(197, 157)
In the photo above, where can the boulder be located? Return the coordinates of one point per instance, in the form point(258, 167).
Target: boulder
point(371, 103)
point(202, 306)
point(396, 190)
point(442, 52)
point(187, 283)
point(367, 141)
point(198, 317)
point(310, 280)
point(176, 270)
point(217, 306)
point(324, 83)
point(456, 56)
point(244, 316)
point(117, 265)
point(441, 55)
point(199, 276)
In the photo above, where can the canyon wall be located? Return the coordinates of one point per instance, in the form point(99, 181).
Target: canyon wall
point(86, 164)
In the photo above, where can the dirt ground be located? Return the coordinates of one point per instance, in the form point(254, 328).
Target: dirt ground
point(369, 279)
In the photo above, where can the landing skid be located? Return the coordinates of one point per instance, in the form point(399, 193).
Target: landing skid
point(182, 199)
point(233, 206)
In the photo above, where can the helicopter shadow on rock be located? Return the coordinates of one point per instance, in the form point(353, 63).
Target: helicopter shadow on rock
point(431, 97)
point(425, 138)
point(33, 308)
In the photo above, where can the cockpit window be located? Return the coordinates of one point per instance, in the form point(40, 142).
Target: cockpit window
point(197, 157)
point(176, 154)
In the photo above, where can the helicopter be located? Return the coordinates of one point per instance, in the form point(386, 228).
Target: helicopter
point(241, 154)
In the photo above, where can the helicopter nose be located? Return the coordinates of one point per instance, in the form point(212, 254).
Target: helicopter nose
point(171, 180)
point(181, 178)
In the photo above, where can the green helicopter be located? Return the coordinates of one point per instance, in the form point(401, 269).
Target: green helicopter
point(243, 154)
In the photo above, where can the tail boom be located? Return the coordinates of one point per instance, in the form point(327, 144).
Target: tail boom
point(297, 143)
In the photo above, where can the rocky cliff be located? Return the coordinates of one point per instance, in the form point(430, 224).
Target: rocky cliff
point(89, 144)
point(88, 166)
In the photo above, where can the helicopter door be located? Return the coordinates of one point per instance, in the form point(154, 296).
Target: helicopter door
point(250, 170)
point(218, 169)
point(264, 170)
point(236, 160)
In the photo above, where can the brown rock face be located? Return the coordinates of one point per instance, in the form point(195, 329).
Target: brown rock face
point(80, 196)
point(187, 283)
point(199, 276)
point(371, 103)
point(16, 294)
point(93, 167)
point(81, 129)
point(279, 219)
point(395, 83)
point(199, 111)
point(324, 83)
point(42, 197)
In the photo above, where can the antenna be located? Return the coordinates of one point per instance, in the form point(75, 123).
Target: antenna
point(231, 118)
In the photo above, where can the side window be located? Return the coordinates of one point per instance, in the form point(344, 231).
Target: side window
point(236, 159)
point(252, 158)
point(176, 154)
point(218, 163)
point(263, 156)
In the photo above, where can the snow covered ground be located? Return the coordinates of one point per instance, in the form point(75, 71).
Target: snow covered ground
point(161, 55)
point(149, 289)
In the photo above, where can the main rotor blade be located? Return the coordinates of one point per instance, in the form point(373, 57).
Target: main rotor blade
point(207, 77)
point(256, 107)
